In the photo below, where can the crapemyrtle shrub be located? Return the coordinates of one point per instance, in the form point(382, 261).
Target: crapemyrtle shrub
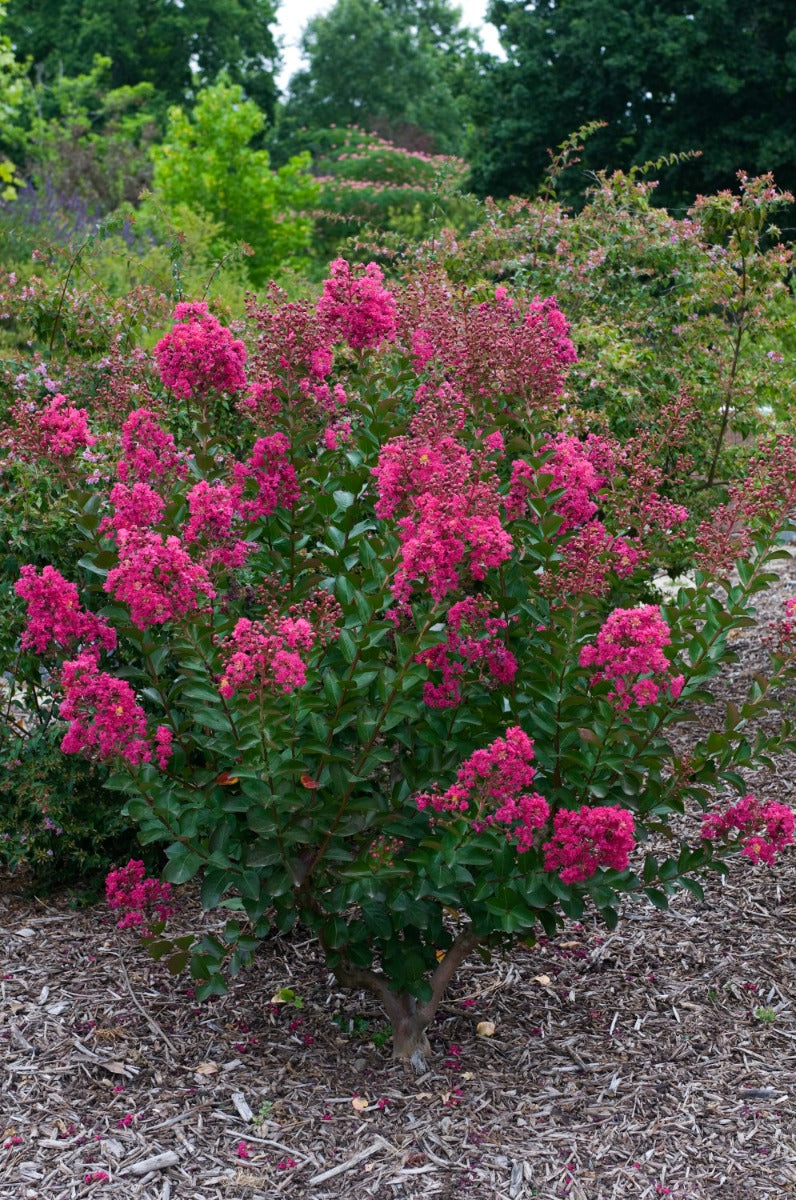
point(370, 658)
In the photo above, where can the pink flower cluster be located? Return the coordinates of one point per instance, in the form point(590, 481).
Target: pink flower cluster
point(156, 578)
point(358, 308)
point(451, 523)
point(762, 829)
point(572, 464)
point(213, 511)
point(587, 838)
point(473, 639)
point(266, 656)
point(579, 470)
point(55, 617)
point(492, 787)
point(629, 654)
point(200, 355)
point(106, 720)
point(267, 480)
point(148, 451)
point(589, 558)
point(64, 429)
point(136, 507)
point(128, 888)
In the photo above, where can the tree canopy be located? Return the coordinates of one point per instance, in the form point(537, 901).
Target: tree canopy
point(207, 163)
point(152, 41)
point(666, 75)
point(400, 68)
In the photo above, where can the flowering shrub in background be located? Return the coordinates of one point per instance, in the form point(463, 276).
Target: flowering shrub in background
point(380, 666)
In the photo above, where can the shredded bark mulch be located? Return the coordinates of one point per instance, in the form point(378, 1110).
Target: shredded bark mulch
point(656, 1060)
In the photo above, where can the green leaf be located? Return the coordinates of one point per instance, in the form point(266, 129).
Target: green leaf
point(657, 897)
point(182, 865)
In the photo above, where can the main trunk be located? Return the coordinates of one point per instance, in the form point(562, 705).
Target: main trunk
point(409, 1017)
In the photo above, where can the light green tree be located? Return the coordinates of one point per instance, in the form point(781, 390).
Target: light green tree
point(207, 164)
point(13, 86)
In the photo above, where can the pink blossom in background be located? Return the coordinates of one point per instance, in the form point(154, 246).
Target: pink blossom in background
point(358, 308)
point(105, 719)
point(200, 355)
point(585, 839)
point(763, 829)
point(128, 888)
point(64, 429)
point(55, 616)
point(157, 578)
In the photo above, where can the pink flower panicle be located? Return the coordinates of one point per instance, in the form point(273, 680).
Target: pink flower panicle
point(500, 352)
point(266, 481)
point(164, 749)
point(472, 641)
point(291, 361)
point(106, 722)
point(128, 888)
point(579, 469)
point(200, 355)
point(585, 839)
point(492, 788)
point(148, 451)
point(213, 512)
point(590, 558)
point(64, 429)
point(629, 654)
point(266, 656)
point(156, 578)
point(572, 465)
point(136, 507)
point(55, 617)
point(451, 525)
point(762, 829)
point(358, 309)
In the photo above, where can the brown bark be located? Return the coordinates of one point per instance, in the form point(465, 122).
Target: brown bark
point(409, 1017)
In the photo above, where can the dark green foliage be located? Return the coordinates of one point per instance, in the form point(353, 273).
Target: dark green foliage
point(152, 41)
point(56, 820)
point(400, 68)
point(718, 76)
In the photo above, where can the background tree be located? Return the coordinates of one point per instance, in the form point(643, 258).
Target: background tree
point(13, 90)
point(399, 68)
point(152, 41)
point(207, 164)
point(666, 75)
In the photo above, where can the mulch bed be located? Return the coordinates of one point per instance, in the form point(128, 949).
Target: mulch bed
point(656, 1060)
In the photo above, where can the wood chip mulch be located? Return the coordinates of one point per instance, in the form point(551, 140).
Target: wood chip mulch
point(656, 1060)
